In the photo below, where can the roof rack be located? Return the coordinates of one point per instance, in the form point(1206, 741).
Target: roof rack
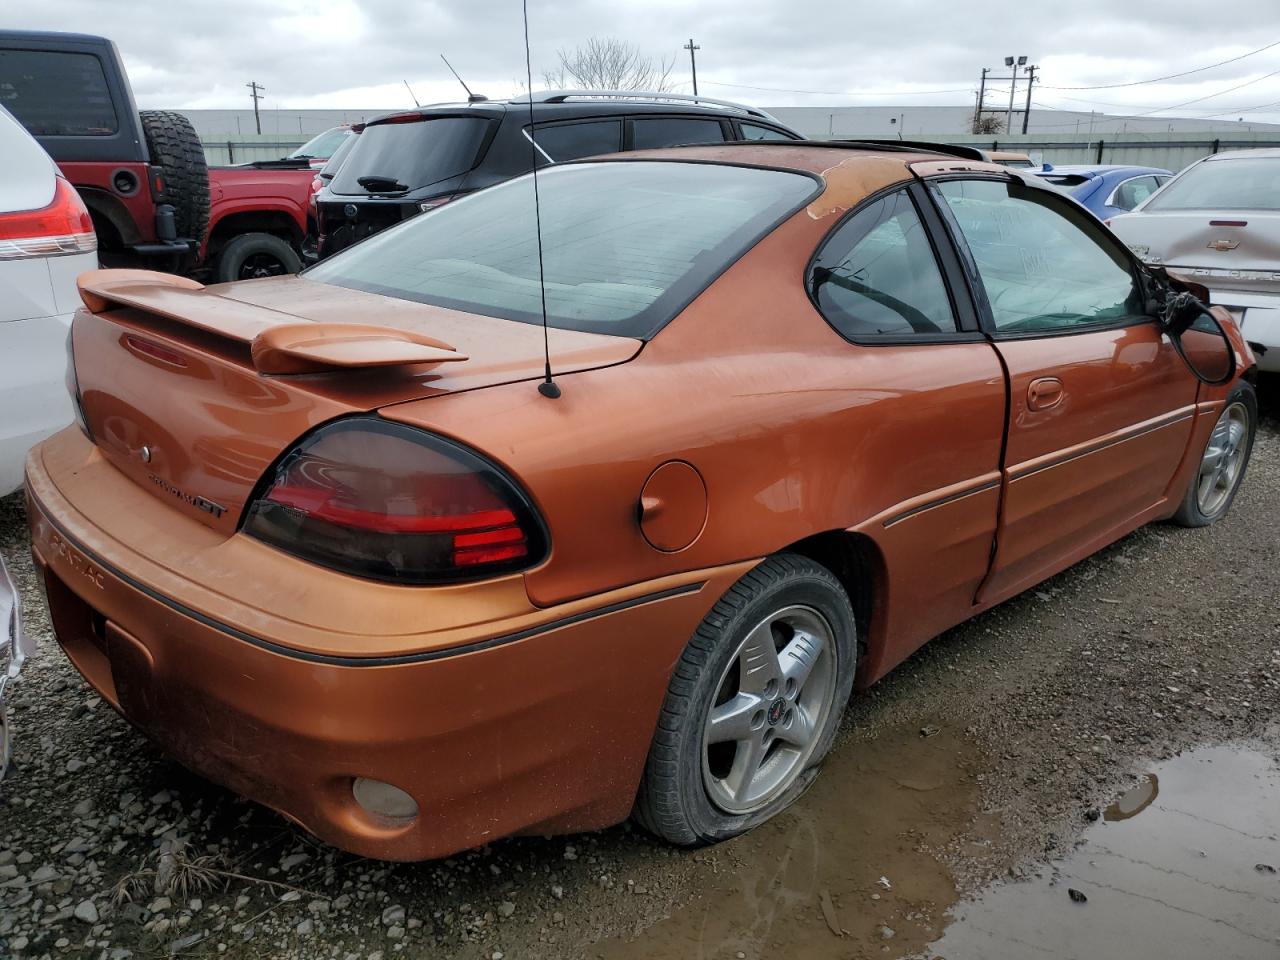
point(915, 146)
point(562, 96)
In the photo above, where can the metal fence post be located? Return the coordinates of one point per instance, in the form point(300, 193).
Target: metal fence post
point(1217, 145)
point(1101, 142)
point(231, 153)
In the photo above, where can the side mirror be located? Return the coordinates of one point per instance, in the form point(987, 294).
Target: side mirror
point(1198, 336)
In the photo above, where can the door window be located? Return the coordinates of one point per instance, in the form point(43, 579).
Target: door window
point(1132, 192)
point(653, 132)
point(1042, 269)
point(877, 276)
point(571, 141)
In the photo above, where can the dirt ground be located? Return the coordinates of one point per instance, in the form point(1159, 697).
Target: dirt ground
point(987, 754)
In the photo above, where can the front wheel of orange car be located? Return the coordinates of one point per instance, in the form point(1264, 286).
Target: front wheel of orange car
point(1223, 461)
point(753, 704)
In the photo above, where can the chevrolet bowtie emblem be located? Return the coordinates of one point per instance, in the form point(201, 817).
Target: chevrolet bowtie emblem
point(1223, 245)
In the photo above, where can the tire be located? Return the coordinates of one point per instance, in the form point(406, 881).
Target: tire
point(1236, 427)
point(686, 793)
point(254, 255)
point(179, 155)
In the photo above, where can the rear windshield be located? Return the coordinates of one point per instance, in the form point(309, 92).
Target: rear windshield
point(394, 157)
point(626, 245)
point(322, 145)
point(1243, 184)
point(57, 94)
point(338, 158)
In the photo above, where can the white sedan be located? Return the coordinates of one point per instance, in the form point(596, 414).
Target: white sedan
point(1218, 223)
point(46, 241)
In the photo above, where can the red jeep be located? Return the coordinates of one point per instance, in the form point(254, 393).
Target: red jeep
point(143, 174)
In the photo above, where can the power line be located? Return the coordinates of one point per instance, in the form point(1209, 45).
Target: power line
point(1172, 76)
point(840, 93)
point(1186, 103)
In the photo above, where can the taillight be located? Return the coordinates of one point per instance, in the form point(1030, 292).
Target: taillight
point(64, 226)
point(434, 202)
point(390, 502)
point(316, 186)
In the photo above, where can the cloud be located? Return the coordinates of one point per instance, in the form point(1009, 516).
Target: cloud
point(358, 53)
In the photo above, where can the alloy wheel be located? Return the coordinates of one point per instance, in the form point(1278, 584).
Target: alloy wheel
point(770, 706)
point(1223, 460)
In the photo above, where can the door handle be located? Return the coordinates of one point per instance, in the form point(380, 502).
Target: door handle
point(1044, 393)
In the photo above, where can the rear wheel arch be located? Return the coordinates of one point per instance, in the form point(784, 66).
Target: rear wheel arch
point(112, 221)
point(278, 223)
point(858, 563)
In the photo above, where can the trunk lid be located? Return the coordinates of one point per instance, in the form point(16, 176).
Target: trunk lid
point(171, 394)
point(1233, 251)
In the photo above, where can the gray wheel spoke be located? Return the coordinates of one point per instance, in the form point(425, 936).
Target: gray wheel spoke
point(732, 720)
point(746, 764)
point(798, 657)
point(758, 660)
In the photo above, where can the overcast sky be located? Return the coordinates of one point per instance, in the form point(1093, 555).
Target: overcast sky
point(357, 53)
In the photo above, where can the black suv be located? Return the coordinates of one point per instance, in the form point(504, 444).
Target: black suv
point(404, 163)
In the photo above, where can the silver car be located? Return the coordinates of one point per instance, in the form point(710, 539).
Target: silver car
point(1218, 223)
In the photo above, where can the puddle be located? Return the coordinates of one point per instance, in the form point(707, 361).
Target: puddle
point(1177, 869)
point(808, 883)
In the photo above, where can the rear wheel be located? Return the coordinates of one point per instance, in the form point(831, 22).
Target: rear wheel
point(252, 256)
point(1222, 464)
point(753, 705)
point(178, 154)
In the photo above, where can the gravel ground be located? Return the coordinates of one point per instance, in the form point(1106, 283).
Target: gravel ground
point(1168, 639)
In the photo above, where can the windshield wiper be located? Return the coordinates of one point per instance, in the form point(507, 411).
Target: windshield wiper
point(377, 184)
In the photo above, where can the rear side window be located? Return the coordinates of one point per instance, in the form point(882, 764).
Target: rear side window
point(395, 157)
point(1132, 192)
point(877, 275)
point(57, 94)
point(572, 141)
point(751, 131)
point(1237, 184)
point(322, 145)
point(653, 132)
point(625, 266)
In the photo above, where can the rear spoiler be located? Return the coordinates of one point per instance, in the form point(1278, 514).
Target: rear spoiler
point(276, 345)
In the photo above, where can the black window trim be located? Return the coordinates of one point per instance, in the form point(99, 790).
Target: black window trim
point(1141, 277)
point(958, 292)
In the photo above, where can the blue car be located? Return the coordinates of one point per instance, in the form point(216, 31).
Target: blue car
point(1106, 190)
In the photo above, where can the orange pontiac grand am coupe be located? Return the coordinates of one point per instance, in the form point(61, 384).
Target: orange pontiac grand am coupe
point(325, 540)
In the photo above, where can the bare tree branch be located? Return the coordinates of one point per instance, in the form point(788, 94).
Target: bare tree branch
point(606, 63)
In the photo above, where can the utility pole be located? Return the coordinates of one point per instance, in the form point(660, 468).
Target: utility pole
point(258, 89)
point(693, 62)
point(982, 101)
point(1031, 82)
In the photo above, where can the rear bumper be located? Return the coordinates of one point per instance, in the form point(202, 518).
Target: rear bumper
point(34, 402)
point(541, 729)
point(1259, 317)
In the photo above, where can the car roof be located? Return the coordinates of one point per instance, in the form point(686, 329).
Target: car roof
point(804, 156)
point(1266, 153)
point(1098, 170)
point(572, 109)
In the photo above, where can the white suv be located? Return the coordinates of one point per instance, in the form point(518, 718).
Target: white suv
point(46, 241)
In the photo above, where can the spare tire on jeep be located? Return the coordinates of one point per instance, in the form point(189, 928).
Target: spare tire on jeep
point(177, 153)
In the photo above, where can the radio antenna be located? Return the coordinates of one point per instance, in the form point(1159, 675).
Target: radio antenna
point(548, 387)
point(411, 96)
point(471, 97)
